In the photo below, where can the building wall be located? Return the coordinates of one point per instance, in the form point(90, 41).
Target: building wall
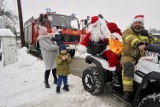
point(2, 23)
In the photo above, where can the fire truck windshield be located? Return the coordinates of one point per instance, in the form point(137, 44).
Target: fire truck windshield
point(63, 21)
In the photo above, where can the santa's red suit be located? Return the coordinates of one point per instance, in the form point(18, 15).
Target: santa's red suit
point(100, 30)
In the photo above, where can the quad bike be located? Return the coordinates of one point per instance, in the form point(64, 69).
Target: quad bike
point(146, 77)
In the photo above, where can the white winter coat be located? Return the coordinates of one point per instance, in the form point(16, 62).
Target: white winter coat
point(49, 51)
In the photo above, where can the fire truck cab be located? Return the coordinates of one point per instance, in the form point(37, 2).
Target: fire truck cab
point(70, 31)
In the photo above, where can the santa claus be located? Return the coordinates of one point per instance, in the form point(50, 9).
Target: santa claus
point(100, 30)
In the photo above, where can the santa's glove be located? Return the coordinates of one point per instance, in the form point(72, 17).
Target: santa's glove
point(113, 37)
point(81, 49)
point(105, 40)
point(95, 38)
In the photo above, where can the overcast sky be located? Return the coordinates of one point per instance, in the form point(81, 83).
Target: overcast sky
point(120, 11)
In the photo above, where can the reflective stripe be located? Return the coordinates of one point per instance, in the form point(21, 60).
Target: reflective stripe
point(128, 37)
point(134, 41)
point(128, 78)
point(130, 83)
point(155, 38)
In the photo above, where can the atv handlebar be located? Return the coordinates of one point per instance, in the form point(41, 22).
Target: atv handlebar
point(153, 48)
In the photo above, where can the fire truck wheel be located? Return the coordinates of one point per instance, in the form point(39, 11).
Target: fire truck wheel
point(72, 52)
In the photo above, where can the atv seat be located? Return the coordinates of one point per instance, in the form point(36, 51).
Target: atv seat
point(95, 48)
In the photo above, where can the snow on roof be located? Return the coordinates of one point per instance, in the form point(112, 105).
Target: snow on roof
point(1, 17)
point(6, 32)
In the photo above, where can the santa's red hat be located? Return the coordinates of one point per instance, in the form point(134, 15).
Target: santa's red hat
point(94, 20)
point(138, 18)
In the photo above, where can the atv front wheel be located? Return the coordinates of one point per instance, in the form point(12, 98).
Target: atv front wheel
point(150, 101)
point(92, 81)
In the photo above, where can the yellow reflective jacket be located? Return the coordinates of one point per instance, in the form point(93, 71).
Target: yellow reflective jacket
point(131, 40)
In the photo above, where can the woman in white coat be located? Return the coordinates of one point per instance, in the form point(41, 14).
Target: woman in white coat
point(49, 50)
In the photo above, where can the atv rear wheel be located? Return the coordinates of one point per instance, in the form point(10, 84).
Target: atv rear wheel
point(150, 101)
point(92, 81)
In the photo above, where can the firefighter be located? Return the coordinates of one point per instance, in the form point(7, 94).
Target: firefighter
point(133, 49)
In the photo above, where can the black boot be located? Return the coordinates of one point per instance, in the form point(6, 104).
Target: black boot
point(128, 96)
point(58, 90)
point(54, 75)
point(47, 84)
point(66, 88)
point(46, 77)
point(115, 79)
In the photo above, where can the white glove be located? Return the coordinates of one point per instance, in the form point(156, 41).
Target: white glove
point(113, 37)
point(116, 36)
point(95, 38)
point(81, 49)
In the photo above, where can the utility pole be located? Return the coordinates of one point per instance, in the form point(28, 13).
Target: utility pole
point(21, 22)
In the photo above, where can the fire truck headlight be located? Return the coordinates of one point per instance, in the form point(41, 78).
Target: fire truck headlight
point(66, 38)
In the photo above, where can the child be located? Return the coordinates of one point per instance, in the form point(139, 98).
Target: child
point(57, 38)
point(63, 59)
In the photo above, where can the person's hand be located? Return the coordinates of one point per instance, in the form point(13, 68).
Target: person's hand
point(66, 56)
point(141, 47)
point(105, 40)
point(113, 37)
point(50, 36)
point(63, 57)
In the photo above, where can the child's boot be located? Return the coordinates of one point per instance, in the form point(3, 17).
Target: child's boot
point(58, 90)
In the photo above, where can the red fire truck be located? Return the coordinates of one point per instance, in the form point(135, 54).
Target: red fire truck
point(70, 31)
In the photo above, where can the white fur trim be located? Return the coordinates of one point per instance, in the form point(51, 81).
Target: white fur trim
point(104, 28)
point(107, 48)
point(138, 20)
point(112, 68)
point(104, 63)
point(117, 35)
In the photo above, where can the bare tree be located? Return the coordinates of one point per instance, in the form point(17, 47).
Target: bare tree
point(9, 15)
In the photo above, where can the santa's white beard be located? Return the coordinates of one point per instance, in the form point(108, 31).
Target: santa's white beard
point(96, 34)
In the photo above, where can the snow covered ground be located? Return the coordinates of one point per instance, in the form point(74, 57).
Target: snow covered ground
point(21, 85)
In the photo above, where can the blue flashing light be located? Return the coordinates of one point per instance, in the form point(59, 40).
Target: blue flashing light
point(73, 15)
point(48, 10)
